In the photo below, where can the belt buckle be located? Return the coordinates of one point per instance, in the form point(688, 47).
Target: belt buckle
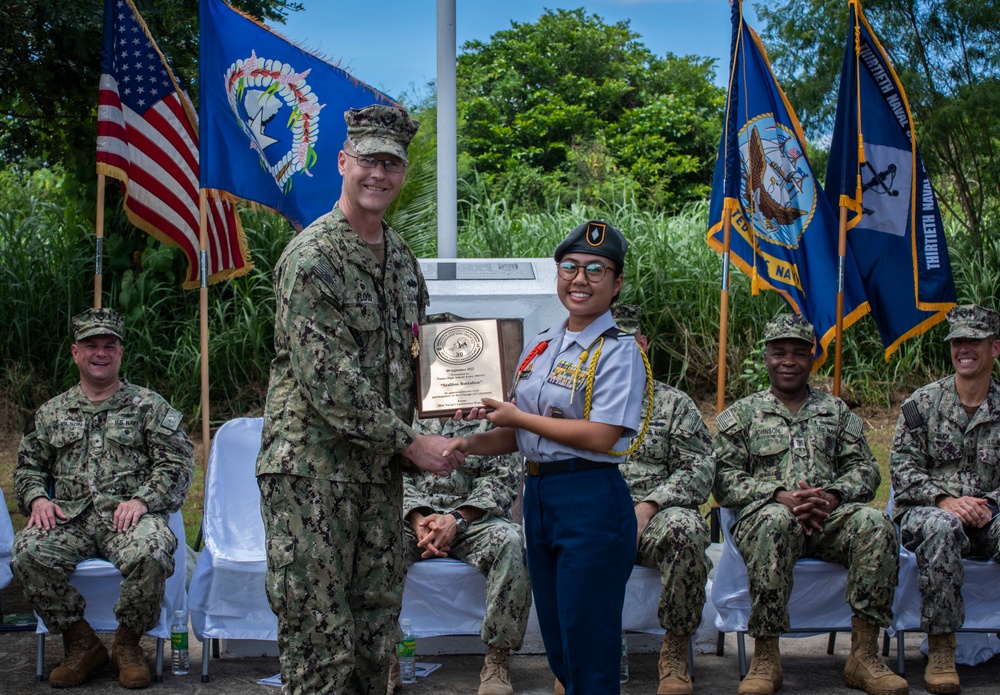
point(533, 468)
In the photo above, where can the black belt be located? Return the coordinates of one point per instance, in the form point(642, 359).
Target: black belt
point(564, 466)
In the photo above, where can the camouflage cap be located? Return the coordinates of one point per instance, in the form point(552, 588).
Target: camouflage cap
point(972, 321)
point(789, 326)
point(379, 129)
point(595, 237)
point(98, 322)
point(628, 317)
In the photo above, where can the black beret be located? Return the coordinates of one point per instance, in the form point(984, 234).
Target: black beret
point(597, 238)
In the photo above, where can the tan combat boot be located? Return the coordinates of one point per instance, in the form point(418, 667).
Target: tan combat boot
point(395, 677)
point(127, 654)
point(865, 669)
point(940, 675)
point(495, 676)
point(764, 677)
point(674, 676)
point(86, 654)
point(559, 688)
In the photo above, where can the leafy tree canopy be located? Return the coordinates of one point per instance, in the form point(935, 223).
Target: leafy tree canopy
point(570, 107)
point(50, 69)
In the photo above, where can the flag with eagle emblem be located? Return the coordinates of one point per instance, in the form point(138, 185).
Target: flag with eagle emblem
point(784, 233)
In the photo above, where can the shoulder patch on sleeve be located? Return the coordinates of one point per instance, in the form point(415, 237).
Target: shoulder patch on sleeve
point(29, 424)
point(324, 271)
point(172, 420)
point(726, 421)
point(855, 427)
point(911, 413)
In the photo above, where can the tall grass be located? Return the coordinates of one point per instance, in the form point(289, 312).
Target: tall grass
point(47, 243)
point(676, 278)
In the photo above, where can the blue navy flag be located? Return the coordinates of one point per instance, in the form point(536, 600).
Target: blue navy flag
point(272, 116)
point(784, 232)
point(895, 225)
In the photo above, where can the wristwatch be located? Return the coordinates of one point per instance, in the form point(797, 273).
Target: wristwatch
point(460, 521)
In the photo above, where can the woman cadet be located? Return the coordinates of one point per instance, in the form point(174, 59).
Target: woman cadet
point(576, 402)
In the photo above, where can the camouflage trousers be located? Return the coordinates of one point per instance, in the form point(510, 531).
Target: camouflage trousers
point(940, 541)
point(334, 580)
point(675, 542)
point(495, 547)
point(859, 537)
point(144, 554)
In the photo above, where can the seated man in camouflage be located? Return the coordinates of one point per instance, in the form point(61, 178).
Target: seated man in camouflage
point(669, 476)
point(945, 464)
point(99, 469)
point(467, 515)
point(796, 463)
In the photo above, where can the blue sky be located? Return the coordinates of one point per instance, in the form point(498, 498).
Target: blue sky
point(391, 45)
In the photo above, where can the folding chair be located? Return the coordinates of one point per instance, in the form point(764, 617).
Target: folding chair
point(817, 604)
point(227, 596)
point(99, 580)
point(981, 591)
point(6, 543)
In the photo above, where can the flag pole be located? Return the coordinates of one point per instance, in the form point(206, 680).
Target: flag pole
point(99, 231)
point(841, 262)
point(206, 441)
point(727, 221)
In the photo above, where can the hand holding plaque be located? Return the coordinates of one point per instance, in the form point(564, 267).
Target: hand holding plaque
point(460, 363)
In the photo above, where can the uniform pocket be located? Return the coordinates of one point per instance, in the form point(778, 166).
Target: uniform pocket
point(280, 556)
point(66, 434)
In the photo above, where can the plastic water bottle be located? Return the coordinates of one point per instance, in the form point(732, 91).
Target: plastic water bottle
point(180, 659)
point(623, 678)
point(406, 650)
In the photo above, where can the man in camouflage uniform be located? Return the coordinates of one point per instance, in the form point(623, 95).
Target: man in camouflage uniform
point(99, 469)
point(796, 463)
point(467, 516)
point(337, 423)
point(945, 466)
point(669, 476)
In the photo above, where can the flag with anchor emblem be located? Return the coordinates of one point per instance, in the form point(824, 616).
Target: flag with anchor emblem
point(895, 225)
point(784, 233)
point(272, 116)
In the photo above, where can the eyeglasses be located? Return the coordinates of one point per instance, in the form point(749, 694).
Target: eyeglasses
point(568, 270)
point(390, 165)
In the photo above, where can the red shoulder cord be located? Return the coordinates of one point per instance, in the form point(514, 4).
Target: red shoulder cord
point(535, 352)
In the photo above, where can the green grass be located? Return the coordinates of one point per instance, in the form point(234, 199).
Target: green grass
point(47, 242)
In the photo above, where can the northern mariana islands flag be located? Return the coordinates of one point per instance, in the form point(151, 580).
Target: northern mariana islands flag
point(272, 116)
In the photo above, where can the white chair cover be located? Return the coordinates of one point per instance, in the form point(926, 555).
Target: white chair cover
point(981, 591)
point(98, 581)
point(459, 608)
point(642, 600)
point(227, 596)
point(817, 603)
point(444, 596)
point(6, 543)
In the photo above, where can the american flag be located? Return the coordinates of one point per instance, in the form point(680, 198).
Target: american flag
point(147, 138)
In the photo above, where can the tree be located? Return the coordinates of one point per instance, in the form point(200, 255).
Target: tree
point(572, 106)
point(946, 53)
point(50, 69)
